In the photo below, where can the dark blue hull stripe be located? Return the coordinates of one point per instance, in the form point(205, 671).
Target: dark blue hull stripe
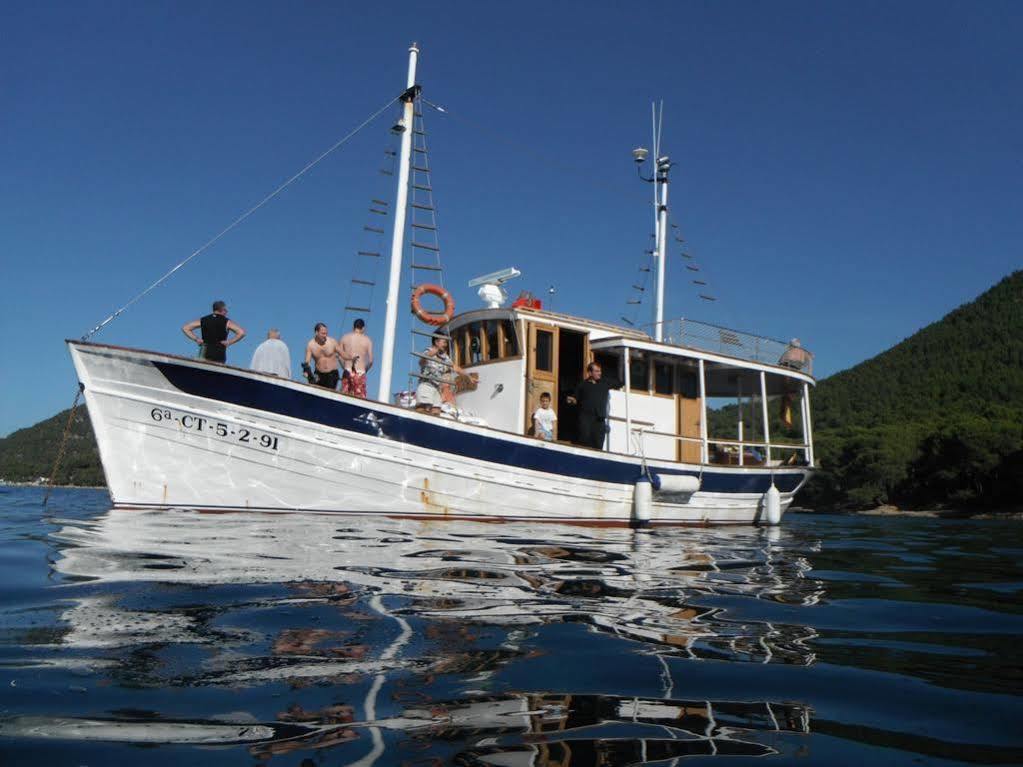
point(223, 386)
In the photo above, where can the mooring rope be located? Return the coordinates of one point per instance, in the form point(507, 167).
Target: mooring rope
point(241, 218)
point(63, 446)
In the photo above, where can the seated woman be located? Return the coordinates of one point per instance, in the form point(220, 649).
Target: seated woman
point(436, 370)
point(795, 356)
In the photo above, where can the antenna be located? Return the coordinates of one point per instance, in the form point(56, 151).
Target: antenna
point(497, 278)
point(491, 292)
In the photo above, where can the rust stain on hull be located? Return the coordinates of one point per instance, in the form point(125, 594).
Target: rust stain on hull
point(431, 508)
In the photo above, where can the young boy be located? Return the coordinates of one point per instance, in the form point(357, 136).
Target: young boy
point(544, 419)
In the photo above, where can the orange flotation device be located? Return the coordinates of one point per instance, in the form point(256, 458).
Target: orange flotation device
point(786, 410)
point(432, 318)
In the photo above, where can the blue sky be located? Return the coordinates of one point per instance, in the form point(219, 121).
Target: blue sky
point(847, 173)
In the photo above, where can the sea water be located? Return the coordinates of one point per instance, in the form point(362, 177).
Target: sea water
point(182, 638)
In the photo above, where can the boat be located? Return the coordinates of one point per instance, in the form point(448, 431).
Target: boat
point(178, 432)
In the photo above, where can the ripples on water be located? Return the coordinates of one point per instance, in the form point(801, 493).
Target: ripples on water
point(183, 638)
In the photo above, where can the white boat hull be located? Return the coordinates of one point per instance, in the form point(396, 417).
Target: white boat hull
point(181, 433)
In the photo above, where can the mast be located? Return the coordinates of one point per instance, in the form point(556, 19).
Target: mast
point(662, 248)
point(661, 167)
point(662, 164)
point(397, 239)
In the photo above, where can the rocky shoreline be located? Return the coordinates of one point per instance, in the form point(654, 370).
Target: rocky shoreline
point(43, 485)
point(888, 510)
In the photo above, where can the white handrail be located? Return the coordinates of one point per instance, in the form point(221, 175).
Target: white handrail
point(642, 431)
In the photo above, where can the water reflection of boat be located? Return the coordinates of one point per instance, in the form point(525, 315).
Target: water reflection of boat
point(640, 585)
point(385, 608)
point(531, 730)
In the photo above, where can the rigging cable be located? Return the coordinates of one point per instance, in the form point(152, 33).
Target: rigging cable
point(552, 160)
point(424, 232)
point(353, 302)
point(242, 217)
point(631, 322)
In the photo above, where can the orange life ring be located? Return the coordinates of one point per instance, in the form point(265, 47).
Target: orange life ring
point(433, 318)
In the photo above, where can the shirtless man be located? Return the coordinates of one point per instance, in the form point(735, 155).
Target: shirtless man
point(357, 357)
point(324, 350)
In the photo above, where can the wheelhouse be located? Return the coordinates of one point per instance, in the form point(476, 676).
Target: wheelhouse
point(704, 395)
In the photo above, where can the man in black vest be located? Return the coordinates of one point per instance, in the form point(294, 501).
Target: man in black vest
point(591, 396)
point(214, 327)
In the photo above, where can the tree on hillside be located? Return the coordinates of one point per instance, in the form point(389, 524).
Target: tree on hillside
point(934, 420)
point(963, 462)
point(29, 453)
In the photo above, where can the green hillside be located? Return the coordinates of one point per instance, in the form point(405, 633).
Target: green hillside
point(935, 420)
point(28, 453)
point(970, 362)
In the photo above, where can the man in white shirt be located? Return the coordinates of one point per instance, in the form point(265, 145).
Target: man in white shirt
point(272, 356)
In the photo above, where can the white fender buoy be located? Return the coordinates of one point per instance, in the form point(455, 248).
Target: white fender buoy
point(642, 502)
point(772, 505)
point(677, 484)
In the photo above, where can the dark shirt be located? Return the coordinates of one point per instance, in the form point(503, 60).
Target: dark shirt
point(592, 396)
point(214, 330)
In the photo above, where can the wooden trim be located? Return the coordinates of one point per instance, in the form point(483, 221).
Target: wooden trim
point(484, 342)
point(535, 376)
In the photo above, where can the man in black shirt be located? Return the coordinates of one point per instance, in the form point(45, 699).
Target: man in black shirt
point(591, 397)
point(214, 328)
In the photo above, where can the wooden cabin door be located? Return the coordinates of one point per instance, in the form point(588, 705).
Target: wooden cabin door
point(541, 366)
point(690, 411)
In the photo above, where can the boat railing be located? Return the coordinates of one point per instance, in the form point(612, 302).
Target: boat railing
point(731, 452)
point(693, 334)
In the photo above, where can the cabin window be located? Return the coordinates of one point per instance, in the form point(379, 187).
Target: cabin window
point(492, 330)
point(509, 338)
point(638, 374)
point(664, 379)
point(544, 350)
point(689, 385)
point(460, 339)
point(484, 341)
point(475, 343)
